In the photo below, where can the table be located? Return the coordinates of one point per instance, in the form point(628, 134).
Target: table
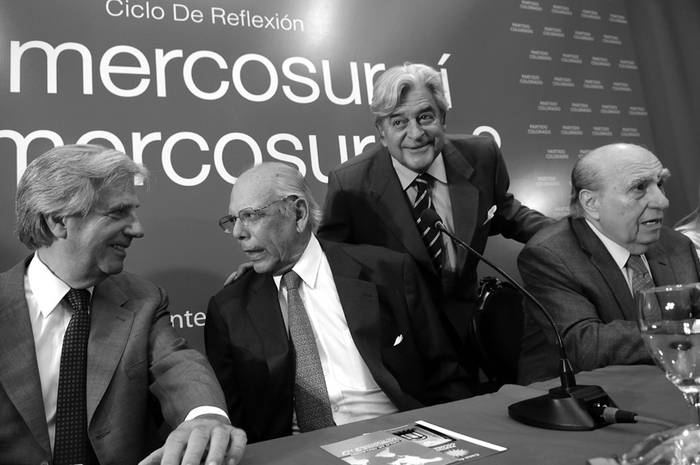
point(640, 388)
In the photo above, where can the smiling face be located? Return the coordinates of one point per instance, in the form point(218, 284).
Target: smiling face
point(414, 132)
point(276, 237)
point(629, 206)
point(97, 242)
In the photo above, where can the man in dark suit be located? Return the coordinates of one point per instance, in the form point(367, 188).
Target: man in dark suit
point(376, 197)
point(357, 317)
point(88, 357)
point(586, 268)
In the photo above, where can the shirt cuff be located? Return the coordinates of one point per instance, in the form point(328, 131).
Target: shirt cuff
point(204, 410)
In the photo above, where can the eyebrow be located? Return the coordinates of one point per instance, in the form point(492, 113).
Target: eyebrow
point(123, 206)
point(662, 176)
point(422, 109)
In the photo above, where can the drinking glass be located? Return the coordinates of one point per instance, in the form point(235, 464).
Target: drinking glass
point(669, 320)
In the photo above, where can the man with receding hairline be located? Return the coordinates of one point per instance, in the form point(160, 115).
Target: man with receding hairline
point(319, 333)
point(586, 268)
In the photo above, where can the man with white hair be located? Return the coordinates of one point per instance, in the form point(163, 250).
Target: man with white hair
point(319, 333)
point(377, 197)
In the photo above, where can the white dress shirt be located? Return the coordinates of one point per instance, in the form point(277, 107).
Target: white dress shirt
point(49, 315)
point(353, 393)
point(619, 254)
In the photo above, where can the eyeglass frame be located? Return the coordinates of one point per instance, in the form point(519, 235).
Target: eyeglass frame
point(252, 214)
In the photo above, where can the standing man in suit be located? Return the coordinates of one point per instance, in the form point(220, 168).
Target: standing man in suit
point(585, 269)
point(376, 197)
point(88, 358)
point(319, 333)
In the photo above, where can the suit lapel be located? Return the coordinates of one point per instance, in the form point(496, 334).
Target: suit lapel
point(266, 317)
point(109, 331)
point(395, 211)
point(19, 372)
point(360, 303)
point(661, 268)
point(603, 261)
point(464, 196)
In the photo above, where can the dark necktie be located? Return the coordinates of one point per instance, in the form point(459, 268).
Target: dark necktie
point(311, 403)
point(431, 236)
point(72, 445)
point(641, 278)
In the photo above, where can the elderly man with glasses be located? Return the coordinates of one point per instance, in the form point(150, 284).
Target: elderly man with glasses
point(319, 333)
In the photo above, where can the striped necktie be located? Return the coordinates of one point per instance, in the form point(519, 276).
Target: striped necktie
point(641, 278)
point(431, 236)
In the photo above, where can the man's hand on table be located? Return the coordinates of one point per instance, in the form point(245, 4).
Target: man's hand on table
point(189, 442)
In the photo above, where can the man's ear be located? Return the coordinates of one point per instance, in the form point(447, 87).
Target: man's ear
point(57, 225)
point(301, 212)
point(589, 201)
point(380, 129)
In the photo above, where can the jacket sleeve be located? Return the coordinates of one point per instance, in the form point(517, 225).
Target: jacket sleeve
point(336, 224)
point(590, 342)
point(220, 354)
point(182, 378)
point(512, 219)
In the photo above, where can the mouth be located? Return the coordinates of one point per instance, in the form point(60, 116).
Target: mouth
point(419, 148)
point(253, 253)
point(653, 222)
point(120, 247)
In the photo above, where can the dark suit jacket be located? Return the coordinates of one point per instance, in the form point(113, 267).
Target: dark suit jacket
point(366, 205)
point(132, 350)
point(569, 270)
point(382, 298)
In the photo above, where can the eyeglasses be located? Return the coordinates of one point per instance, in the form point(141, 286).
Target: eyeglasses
point(248, 216)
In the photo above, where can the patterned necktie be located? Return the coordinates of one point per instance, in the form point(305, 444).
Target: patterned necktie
point(72, 445)
point(430, 235)
point(641, 278)
point(311, 403)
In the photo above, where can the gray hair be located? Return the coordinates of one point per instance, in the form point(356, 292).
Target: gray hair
point(584, 175)
point(66, 181)
point(287, 181)
point(393, 84)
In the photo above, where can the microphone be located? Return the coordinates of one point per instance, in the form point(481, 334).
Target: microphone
point(566, 407)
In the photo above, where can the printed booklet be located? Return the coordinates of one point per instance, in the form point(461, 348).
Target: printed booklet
point(415, 444)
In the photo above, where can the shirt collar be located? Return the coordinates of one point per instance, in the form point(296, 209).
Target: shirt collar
point(48, 289)
point(308, 264)
point(619, 253)
point(407, 176)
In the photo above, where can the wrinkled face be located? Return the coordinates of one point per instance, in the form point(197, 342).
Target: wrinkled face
point(271, 240)
point(630, 205)
point(414, 133)
point(97, 243)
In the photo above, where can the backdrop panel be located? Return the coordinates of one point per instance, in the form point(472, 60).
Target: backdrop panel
point(200, 90)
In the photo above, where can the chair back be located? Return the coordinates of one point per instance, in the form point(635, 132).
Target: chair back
point(496, 329)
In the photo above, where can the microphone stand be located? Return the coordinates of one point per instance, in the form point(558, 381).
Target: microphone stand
point(568, 406)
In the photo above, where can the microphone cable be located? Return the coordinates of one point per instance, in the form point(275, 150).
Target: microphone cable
point(615, 415)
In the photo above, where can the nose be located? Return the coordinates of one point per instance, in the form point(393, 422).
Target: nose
point(240, 232)
point(415, 130)
point(134, 229)
point(658, 199)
